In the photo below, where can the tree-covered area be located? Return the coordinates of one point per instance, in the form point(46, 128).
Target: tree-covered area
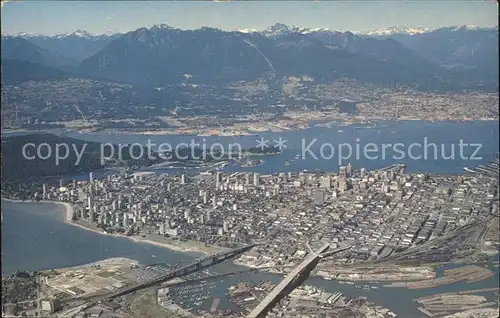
point(31, 156)
point(263, 150)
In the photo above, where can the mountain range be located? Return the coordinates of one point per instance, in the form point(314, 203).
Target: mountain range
point(458, 57)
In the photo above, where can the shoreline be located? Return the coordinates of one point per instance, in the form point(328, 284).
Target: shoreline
point(237, 131)
point(68, 215)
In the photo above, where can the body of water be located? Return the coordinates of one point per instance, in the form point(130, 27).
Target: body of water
point(432, 147)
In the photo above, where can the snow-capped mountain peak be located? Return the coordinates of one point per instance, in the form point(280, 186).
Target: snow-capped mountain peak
point(247, 30)
point(26, 34)
point(280, 29)
point(396, 30)
point(77, 33)
point(162, 26)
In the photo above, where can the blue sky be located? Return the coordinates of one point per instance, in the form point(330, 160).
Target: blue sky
point(55, 17)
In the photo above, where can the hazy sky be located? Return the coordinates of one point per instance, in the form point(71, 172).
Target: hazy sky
point(55, 17)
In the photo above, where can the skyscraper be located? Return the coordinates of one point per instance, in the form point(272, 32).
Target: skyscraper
point(256, 179)
point(91, 176)
point(326, 182)
point(343, 184)
point(218, 179)
point(342, 171)
point(90, 203)
point(349, 170)
point(363, 172)
point(319, 197)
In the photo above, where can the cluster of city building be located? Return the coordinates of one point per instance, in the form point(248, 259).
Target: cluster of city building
point(239, 107)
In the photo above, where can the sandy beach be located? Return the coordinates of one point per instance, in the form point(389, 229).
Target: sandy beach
point(68, 215)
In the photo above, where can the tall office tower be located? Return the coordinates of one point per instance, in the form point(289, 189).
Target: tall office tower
point(161, 229)
point(92, 189)
point(92, 216)
point(82, 213)
point(342, 171)
point(44, 190)
point(256, 179)
point(225, 226)
point(289, 176)
point(281, 176)
point(348, 170)
point(74, 184)
point(247, 179)
point(91, 176)
point(90, 203)
point(363, 172)
point(183, 179)
point(205, 198)
point(214, 202)
point(218, 179)
point(276, 189)
point(131, 199)
point(202, 219)
point(61, 183)
point(402, 170)
point(169, 186)
point(385, 187)
point(385, 175)
point(390, 175)
point(343, 184)
point(319, 197)
point(326, 182)
point(187, 214)
point(109, 178)
point(114, 205)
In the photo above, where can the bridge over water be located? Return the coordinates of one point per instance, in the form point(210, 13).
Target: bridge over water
point(292, 280)
point(195, 266)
